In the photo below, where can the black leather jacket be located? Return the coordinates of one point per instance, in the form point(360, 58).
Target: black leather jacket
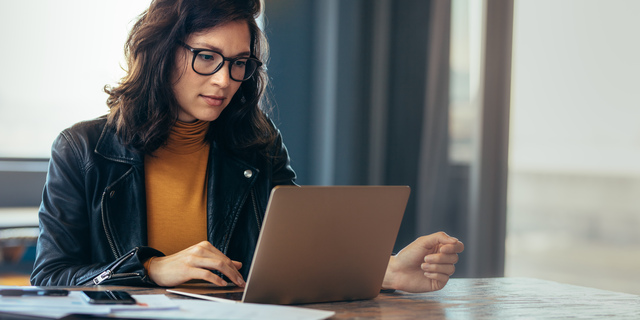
point(93, 227)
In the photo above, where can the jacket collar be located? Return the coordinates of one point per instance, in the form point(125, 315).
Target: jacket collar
point(110, 147)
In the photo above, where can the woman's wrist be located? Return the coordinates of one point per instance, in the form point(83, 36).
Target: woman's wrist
point(388, 282)
point(147, 265)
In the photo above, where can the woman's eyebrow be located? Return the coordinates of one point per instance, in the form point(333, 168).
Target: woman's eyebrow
point(214, 48)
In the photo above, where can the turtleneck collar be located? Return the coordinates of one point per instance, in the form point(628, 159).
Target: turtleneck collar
point(185, 137)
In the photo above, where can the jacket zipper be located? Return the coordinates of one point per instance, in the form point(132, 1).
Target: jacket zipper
point(104, 225)
point(108, 274)
point(255, 208)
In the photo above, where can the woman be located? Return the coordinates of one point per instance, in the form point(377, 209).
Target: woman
point(173, 183)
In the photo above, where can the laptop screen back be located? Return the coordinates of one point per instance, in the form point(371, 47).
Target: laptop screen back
point(320, 244)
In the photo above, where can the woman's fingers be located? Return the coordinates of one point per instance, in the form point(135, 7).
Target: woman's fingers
point(447, 269)
point(213, 259)
point(225, 265)
point(195, 262)
point(210, 258)
point(452, 248)
point(438, 280)
point(443, 263)
point(208, 276)
point(443, 258)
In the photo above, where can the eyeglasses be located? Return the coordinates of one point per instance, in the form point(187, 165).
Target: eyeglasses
point(207, 62)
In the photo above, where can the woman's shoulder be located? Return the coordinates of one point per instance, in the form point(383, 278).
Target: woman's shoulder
point(88, 127)
point(84, 134)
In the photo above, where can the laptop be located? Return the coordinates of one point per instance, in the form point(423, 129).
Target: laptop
point(324, 243)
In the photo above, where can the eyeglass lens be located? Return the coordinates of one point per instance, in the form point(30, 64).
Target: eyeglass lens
point(209, 62)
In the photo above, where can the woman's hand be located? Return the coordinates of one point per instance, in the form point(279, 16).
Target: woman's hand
point(424, 265)
point(195, 262)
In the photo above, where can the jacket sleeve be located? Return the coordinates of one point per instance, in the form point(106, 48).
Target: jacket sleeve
point(63, 254)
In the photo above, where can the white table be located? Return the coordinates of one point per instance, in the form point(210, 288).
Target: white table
point(18, 217)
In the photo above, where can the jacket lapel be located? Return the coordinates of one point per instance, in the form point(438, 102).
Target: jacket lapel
point(229, 186)
point(123, 203)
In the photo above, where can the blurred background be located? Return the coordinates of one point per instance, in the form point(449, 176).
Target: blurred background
point(515, 122)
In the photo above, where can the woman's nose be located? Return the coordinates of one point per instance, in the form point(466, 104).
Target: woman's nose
point(221, 78)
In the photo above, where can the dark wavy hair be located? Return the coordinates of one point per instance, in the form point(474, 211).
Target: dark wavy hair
point(143, 107)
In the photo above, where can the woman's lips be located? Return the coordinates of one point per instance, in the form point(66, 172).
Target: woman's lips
point(214, 101)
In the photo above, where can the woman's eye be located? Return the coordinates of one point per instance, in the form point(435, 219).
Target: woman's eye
point(205, 57)
point(240, 63)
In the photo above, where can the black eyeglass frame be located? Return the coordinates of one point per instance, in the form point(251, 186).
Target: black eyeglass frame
point(197, 51)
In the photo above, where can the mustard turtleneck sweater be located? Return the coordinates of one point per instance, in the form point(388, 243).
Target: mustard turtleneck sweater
point(175, 180)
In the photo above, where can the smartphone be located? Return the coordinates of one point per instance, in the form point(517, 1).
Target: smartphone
point(108, 297)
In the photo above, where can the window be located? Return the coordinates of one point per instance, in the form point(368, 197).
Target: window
point(574, 179)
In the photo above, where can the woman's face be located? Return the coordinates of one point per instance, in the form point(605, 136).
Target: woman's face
point(204, 97)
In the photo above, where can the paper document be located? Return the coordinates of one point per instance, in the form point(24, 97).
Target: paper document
point(201, 309)
point(59, 306)
point(154, 306)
